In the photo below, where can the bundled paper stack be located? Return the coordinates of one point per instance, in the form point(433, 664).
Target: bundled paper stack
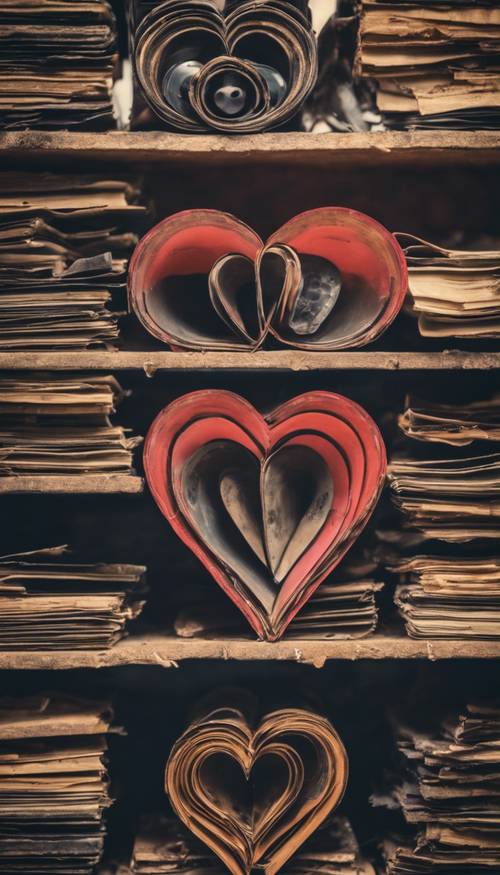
point(54, 605)
point(435, 63)
point(60, 425)
point(64, 243)
point(57, 64)
point(449, 596)
point(457, 425)
point(344, 607)
point(448, 494)
point(164, 847)
point(53, 784)
point(453, 292)
point(448, 793)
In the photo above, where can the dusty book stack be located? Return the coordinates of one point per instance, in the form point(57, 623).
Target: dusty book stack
point(53, 784)
point(435, 63)
point(447, 792)
point(54, 425)
point(57, 64)
point(448, 495)
point(47, 603)
point(64, 245)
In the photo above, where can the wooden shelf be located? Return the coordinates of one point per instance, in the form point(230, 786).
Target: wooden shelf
point(98, 484)
point(372, 150)
point(150, 362)
point(168, 652)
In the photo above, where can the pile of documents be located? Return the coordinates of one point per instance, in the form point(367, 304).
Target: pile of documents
point(57, 64)
point(230, 67)
point(453, 292)
point(448, 493)
point(64, 244)
point(60, 425)
point(343, 607)
point(457, 425)
point(47, 604)
point(454, 498)
point(447, 791)
point(435, 63)
point(163, 847)
point(223, 773)
point(449, 596)
point(53, 784)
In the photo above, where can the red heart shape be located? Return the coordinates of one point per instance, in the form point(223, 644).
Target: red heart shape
point(176, 272)
point(336, 429)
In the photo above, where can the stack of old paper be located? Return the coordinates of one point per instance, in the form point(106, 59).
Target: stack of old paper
point(53, 784)
point(344, 606)
point(435, 63)
point(447, 791)
point(47, 604)
point(57, 64)
point(453, 292)
point(449, 596)
point(64, 243)
point(453, 498)
point(452, 424)
point(60, 425)
point(163, 847)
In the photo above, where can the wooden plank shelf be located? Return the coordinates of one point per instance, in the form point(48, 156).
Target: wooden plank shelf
point(420, 148)
point(168, 651)
point(287, 360)
point(92, 484)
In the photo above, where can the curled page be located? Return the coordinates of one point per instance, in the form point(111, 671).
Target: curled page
point(269, 505)
point(330, 279)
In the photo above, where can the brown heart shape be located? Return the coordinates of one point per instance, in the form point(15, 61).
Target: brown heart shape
point(243, 72)
point(255, 794)
point(329, 279)
point(270, 506)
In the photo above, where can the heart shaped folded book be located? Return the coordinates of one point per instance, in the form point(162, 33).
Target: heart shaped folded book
point(269, 505)
point(255, 790)
point(329, 279)
point(246, 71)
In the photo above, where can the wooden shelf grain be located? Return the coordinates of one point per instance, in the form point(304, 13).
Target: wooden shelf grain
point(286, 360)
point(420, 148)
point(169, 652)
point(92, 484)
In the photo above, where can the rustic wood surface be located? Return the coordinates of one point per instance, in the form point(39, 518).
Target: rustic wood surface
point(285, 360)
point(415, 148)
point(169, 651)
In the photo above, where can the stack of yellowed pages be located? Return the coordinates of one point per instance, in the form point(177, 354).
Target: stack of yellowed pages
point(163, 847)
point(453, 292)
point(60, 425)
point(457, 425)
point(446, 482)
point(449, 596)
point(53, 784)
point(344, 606)
point(435, 63)
point(57, 64)
point(447, 791)
point(64, 244)
point(47, 603)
